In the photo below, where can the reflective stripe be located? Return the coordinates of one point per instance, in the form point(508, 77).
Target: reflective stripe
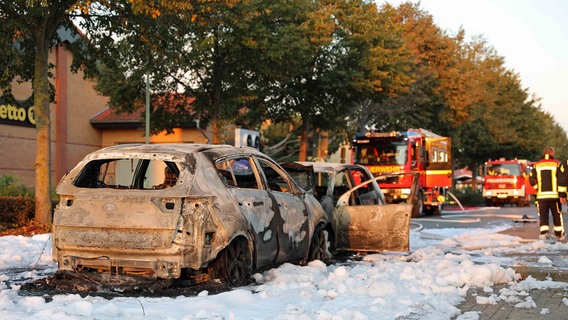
point(544, 228)
point(547, 187)
point(547, 195)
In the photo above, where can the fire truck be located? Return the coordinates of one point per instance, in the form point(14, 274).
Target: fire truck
point(507, 182)
point(412, 151)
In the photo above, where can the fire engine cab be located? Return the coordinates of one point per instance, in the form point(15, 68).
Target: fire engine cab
point(506, 182)
point(413, 151)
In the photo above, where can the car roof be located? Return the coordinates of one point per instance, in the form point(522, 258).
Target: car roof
point(330, 166)
point(173, 149)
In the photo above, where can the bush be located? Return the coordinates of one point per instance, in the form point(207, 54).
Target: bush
point(10, 187)
point(17, 203)
point(16, 211)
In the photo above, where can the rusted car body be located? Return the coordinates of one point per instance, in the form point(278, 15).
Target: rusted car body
point(361, 219)
point(183, 210)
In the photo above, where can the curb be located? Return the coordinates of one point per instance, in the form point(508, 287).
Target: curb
point(542, 273)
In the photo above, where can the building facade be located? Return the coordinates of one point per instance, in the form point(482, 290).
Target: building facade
point(80, 123)
point(72, 136)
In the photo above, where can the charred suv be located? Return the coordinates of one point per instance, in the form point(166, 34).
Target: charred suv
point(169, 211)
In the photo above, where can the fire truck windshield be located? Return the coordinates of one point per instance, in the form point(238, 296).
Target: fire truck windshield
point(502, 169)
point(385, 152)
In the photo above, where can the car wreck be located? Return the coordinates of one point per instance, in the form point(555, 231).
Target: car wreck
point(190, 211)
point(361, 219)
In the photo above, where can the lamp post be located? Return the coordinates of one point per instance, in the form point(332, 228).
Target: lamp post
point(147, 106)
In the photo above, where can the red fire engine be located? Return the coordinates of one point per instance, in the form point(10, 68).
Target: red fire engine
point(416, 150)
point(506, 182)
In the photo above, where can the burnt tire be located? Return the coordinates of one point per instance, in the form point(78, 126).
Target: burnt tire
point(234, 263)
point(318, 246)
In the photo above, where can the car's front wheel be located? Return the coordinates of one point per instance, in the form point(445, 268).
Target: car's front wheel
point(234, 263)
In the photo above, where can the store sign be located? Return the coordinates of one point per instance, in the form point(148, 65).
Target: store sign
point(17, 115)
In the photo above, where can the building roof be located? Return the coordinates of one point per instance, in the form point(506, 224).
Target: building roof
point(462, 174)
point(109, 118)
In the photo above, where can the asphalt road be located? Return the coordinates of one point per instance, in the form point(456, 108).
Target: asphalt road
point(479, 217)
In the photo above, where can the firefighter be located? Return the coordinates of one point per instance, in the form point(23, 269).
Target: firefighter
point(544, 178)
point(563, 182)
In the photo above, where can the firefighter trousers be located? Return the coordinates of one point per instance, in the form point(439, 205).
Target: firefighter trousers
point(545, 208)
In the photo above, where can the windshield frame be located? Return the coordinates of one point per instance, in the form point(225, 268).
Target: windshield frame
point(391, 152)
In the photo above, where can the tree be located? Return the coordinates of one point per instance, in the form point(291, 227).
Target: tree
point(462, 89)
point(500, 121)
point(380, 60)
point(29, 31)
point(217, 53)
point(352, 54)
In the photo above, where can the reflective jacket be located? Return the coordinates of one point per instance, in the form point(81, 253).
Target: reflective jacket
point(563, 179)
point(544, 178)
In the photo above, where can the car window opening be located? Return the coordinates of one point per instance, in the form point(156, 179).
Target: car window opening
point(129, 173)
point(237, 173)
point(275, 180)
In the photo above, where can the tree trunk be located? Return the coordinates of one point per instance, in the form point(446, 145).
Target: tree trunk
point(43, 147)
point(305, 127)
point(215, 107)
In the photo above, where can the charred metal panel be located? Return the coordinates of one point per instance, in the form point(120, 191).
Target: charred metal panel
point(201, 234)
point(118, 222)
point(380, 227)
point(256, 206)
point(104, 239)
point(157, 244)
point(294, 230)
point(263, 216)
point(373, 228)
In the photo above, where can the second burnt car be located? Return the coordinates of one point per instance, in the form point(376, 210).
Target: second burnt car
point(187, 211)
point(361, 219)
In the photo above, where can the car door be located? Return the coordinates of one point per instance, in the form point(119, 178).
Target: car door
point(368, 193)
point(260, 209)
point(293, 235)
point(368, 226)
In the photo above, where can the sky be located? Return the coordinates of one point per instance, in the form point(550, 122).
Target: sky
point(532, 36)
point(427, 283)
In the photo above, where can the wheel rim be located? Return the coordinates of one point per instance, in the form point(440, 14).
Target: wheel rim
point(237, 263)
point(319, 246)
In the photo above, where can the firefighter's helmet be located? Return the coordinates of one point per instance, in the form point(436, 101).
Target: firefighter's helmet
point(549, 151)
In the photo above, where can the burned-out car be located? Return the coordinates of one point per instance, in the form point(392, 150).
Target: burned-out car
point(361, 219)
point(192, 211)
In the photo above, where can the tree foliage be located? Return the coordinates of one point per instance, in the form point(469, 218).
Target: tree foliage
point(319, 65)
point(462, 89)
point(307, 66)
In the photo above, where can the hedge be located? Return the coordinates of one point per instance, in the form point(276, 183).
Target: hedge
point(16, 211)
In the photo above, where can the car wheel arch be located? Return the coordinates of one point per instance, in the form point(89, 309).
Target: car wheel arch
point(224, 262)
